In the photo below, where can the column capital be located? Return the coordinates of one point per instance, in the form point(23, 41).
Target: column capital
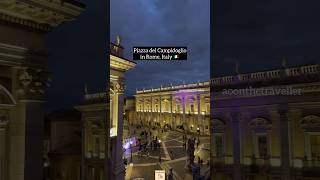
point(119, 86)
point(3, 121)
point(32, 83)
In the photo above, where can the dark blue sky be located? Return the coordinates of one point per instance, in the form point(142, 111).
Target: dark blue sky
point(164, 23)
point(257, 34)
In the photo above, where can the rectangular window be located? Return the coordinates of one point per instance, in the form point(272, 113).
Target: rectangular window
point(218, 141)
point(192, 108)
point(315, 146)
point(97, 146)
point(208, 108)
point(262, 146)
point(178, 108)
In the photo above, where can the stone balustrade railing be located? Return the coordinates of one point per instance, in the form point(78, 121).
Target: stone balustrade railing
point(249, 77)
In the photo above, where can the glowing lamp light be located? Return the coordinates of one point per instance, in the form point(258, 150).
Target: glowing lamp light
point(126, 146)
point(198, 128)
point(192, 125)
point(113, 132)
point(159, 141)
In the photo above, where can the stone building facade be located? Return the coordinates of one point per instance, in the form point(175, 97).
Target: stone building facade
point(184, 107)
point(23, 79)
point(102, 132)
point(266, 125)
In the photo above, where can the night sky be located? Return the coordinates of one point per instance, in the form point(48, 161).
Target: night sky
point(257, 34)
point(164, 23)
point(78, 56)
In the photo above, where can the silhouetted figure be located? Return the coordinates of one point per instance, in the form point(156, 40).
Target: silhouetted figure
point(170, 174)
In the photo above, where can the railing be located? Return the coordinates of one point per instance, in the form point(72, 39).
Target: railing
point(258, 76)
point(311, 163)
point(218, 161)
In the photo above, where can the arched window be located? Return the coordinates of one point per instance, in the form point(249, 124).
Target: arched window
point(218, 139)
point(261, 140)
point(311, 127)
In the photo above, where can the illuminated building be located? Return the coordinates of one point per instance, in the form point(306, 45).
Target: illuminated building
point(97, 163)
point(23, 79)
point(266, 125)
point(179, 107)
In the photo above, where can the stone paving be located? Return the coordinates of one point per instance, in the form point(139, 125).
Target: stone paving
point(173, 155)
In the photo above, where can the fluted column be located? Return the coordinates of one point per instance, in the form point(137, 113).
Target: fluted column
point(184, 121)
point(118, 166)
point(285, 145)
point(235, 119)
point(171, 115)
point(3, 155)
point(200, 123)
point(160, 114)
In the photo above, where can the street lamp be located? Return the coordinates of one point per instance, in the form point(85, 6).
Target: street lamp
point(131, 150)
point(198, 130)
point(159, 141)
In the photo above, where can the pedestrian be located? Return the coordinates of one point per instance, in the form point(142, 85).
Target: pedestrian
point(170, 174)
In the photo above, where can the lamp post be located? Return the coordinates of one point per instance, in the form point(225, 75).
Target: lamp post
point(130, 150)
point(198, 130)
point(159, 141)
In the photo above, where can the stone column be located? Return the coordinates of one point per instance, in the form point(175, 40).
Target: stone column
point(118, 166)
point(160, 115)
point(184, 121)
point(307, 146)
point(83, 164)
point(235, 119)
point(3, 155)
point(200, 123)
point(284, 140)
point(171, 115)
point(143, 111)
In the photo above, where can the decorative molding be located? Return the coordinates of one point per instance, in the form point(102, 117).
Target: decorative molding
point(310, 122)
point(260, 124)
point(218, 125)
point(39, 14)
point(32, 82)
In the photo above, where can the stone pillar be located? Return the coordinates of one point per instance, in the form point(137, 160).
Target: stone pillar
point(118, 170)
point(184, 121)
point(171, 115)
point(143, 111)
point(307, 146)
point(284, 140)
point(235, 119)
point(3, 155)
point(151, 118)
point(83, 152)
point(160, 114)
point(200, 123)
point(34, 114)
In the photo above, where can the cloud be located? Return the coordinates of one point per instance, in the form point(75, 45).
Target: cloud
point(164, 23)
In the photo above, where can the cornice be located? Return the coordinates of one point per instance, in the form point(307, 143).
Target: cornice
point(120, 63)
point(39, 14)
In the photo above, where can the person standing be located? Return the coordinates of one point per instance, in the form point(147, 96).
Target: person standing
point(170, 174)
